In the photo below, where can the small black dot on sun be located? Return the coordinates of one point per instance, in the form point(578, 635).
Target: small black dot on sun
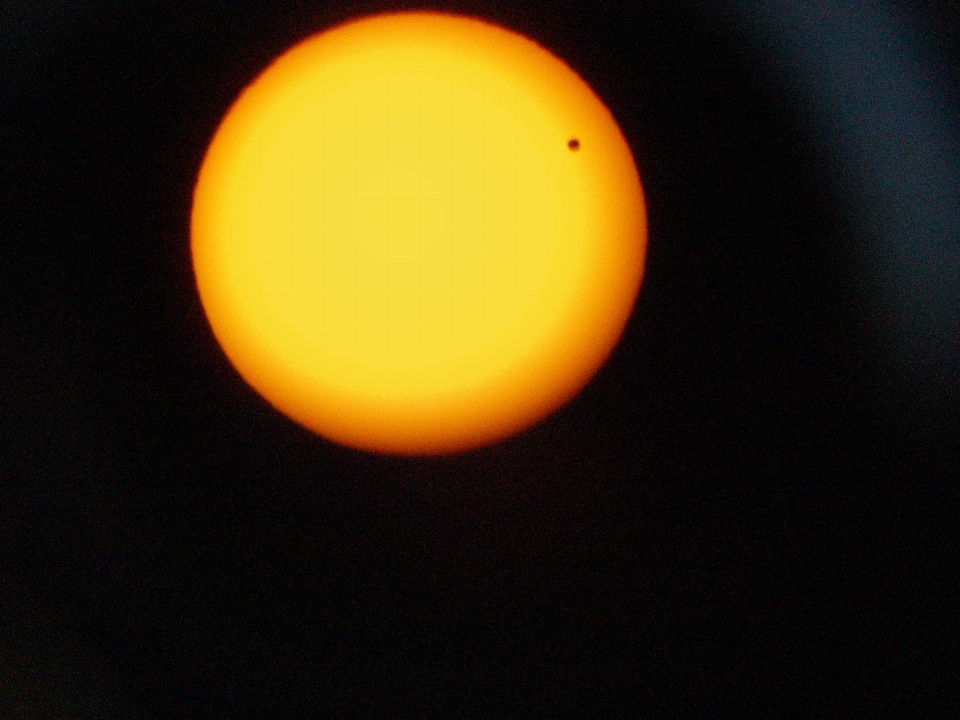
point(574, 144)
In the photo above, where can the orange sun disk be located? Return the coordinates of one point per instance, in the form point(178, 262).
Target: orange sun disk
point(418, 233)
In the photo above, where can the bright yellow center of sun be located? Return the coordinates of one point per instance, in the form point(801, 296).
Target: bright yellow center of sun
point(418, 233)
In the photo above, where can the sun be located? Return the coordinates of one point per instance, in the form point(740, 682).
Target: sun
point(418, 233)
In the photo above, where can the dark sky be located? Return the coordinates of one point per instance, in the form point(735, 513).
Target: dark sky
point(744, 514)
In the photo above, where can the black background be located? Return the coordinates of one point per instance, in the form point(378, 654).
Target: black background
point(732, 518)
